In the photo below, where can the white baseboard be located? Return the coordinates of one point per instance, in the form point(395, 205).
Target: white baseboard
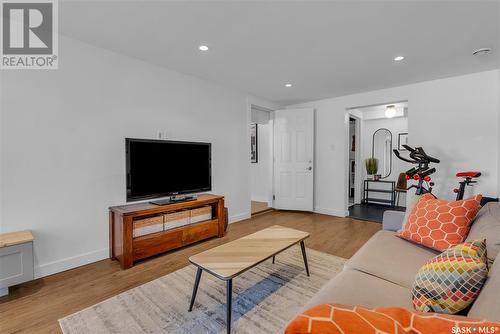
point(58, 266)
point(4, 292)
point(239, 217)
point(331, 212)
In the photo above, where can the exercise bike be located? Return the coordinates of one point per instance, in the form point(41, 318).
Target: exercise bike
point(467, 181)
point(420, 173)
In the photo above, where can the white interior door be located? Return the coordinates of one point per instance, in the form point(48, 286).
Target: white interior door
point(293, 159)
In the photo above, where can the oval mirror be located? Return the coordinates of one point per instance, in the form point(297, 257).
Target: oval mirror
point(382, 150)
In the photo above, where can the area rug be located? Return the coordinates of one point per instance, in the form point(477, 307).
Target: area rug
point(265, 299)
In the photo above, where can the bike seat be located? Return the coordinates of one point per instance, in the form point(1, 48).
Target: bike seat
point(469, 174)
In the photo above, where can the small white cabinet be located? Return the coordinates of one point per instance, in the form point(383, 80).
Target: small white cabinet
point(16, 259)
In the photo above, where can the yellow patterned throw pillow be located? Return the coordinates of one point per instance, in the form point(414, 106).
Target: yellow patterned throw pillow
point(451, 281)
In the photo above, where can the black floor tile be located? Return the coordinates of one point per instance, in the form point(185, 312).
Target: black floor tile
point(371, 212)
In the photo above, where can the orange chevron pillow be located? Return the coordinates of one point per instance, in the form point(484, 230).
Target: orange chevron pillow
point(346, 319)
point(440, 224)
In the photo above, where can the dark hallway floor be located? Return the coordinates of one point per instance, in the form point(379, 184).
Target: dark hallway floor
point(371, 212)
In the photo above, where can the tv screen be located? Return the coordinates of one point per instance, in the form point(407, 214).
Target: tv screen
point(158, 168)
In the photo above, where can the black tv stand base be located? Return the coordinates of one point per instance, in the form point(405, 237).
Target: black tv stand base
point(175, 199)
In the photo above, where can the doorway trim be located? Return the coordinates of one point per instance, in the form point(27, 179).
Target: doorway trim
point(262, 106)
point(352, 111)
point(357, 157)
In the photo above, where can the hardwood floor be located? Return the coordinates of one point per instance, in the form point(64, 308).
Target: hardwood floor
point(36, 306)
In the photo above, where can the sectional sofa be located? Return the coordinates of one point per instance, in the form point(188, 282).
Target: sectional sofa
point(382, 272)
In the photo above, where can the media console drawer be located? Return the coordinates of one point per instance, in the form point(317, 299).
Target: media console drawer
point(199, 231)
point(128, 246)
point(156, 243)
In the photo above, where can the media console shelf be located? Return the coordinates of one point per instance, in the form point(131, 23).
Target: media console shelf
point(127, 249)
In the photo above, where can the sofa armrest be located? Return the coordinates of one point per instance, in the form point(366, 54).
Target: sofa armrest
point(393, 220)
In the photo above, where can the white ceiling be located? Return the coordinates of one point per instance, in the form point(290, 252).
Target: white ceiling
point(325, 49)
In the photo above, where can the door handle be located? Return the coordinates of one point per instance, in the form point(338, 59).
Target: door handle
point(309, 168)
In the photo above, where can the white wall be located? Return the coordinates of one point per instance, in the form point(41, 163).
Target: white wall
point(260, 172)
point(62, 144)
point(455, 119)
point(1, 155)
point(395, 125)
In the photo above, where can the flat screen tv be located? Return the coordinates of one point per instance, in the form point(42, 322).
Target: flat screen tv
point(159, 168)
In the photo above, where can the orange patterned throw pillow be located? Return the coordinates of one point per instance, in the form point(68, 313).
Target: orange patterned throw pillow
point(440, 224)
point(345, 319)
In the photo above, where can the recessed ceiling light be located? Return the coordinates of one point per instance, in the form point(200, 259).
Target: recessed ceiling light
point(399, 58)
point(203, 48)
point(481, 52)
point(288, 85)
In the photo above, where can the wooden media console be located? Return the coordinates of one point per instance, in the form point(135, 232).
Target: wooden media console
point(127, 249)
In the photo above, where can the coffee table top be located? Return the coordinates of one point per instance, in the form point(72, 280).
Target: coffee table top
point(231, 259)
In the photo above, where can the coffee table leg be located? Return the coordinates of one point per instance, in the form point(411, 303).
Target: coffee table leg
point(303, 247)
point(195, 289)
point(229, 299)
point(273, 259)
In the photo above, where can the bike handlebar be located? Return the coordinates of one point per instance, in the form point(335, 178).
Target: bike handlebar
point(417, 155)
point(428, 157)
point(396, 152)
point(409, 148)
point(422, 160)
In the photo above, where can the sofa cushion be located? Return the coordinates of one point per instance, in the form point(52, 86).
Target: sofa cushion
point(392, 220)
point(451, 281)
point(487, 226)
point(355, 287)
point(440, 224)
point(391, 258)
point(487, 305)
point(350, 319)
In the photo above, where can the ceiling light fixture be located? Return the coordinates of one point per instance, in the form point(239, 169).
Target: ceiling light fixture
point(288, 85)
point(203, 48)
point(399, 58)
point(390, 111)
point(481, 52)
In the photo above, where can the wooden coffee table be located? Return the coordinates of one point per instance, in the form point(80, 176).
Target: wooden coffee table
point(233, 258)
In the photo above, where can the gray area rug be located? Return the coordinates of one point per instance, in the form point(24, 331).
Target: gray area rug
point(265, 299)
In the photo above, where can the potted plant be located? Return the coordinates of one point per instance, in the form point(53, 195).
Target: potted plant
point(371, 165)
